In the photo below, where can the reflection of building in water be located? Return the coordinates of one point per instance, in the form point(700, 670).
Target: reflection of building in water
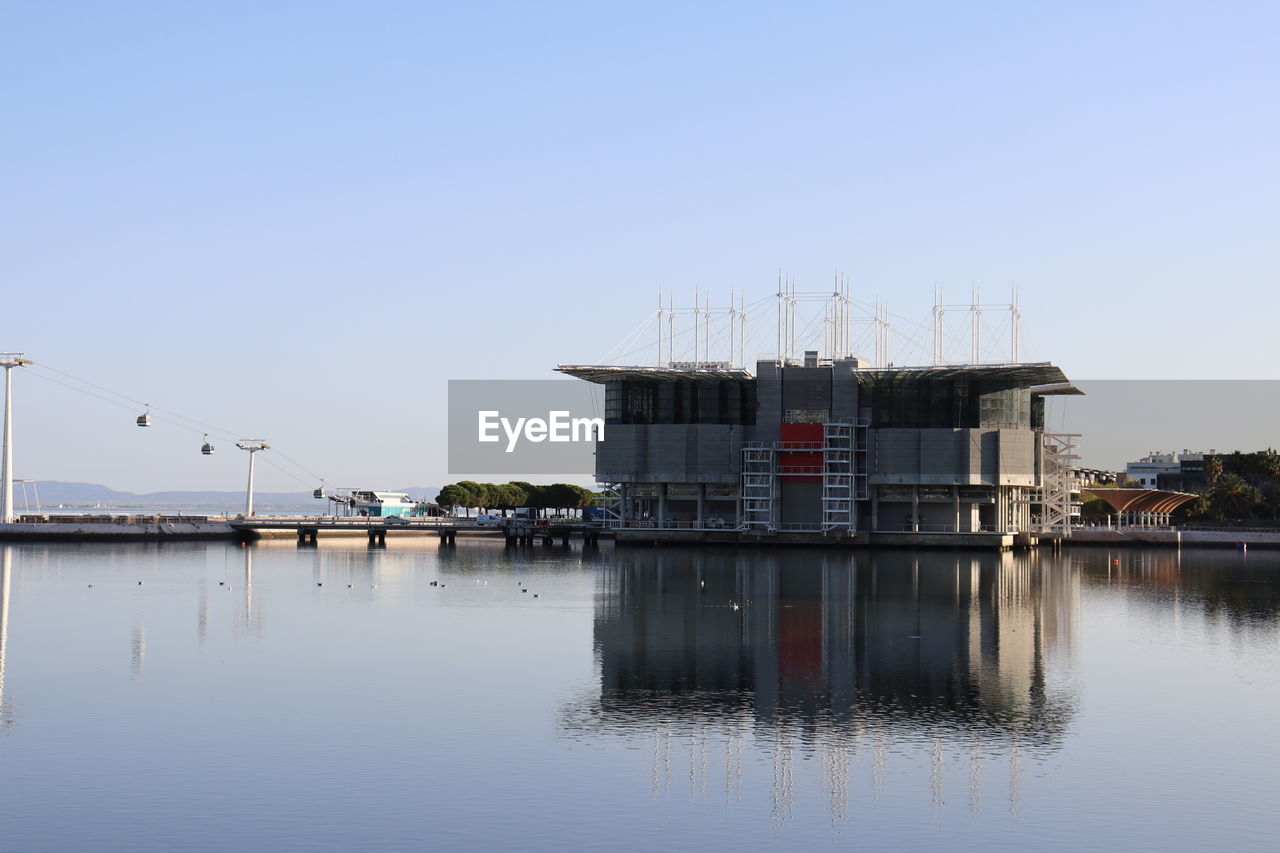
point(813, 649)
point(138, 650)
point(1243, 588)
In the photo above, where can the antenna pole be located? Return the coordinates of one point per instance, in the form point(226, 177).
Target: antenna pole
point(696, 318)
point(975, 312)
point(671, 329)
point(791, 317)
point(706, 333)
point(659, 327)
point(1015, 326)
point(733, 327)
point(780, 313)
point(742, 334)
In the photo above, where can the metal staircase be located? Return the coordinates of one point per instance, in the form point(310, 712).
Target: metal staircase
point(1058, 496)
point(759, 487)
point(837, 477)
point(608, 504)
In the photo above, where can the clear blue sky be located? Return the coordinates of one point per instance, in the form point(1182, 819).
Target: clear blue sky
point(299, 219)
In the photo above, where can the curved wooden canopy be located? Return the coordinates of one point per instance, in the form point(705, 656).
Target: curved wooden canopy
point(1141, 500)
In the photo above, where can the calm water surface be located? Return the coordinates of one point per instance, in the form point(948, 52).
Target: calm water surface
point(332, 698)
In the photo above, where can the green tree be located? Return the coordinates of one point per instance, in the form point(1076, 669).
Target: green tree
point(451, 497)
point(1233, 497)
point(506, 496)
point(477, 493)
point(1095, 510)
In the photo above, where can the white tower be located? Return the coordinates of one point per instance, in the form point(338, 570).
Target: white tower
point(8, 361)
point(253, 445)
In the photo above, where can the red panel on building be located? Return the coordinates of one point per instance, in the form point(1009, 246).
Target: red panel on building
point(800, 456)
point(800, 643)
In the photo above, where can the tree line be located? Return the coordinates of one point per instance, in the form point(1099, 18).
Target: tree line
point(1240, 487)
point(467, 494)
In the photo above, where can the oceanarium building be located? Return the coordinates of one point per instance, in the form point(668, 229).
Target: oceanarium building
point(833, 447)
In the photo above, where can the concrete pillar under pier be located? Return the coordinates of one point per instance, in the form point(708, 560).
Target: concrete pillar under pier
point(702, 503)
point(955, 506)
point(662, 504)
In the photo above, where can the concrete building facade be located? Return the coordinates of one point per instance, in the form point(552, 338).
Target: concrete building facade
point(826, 446)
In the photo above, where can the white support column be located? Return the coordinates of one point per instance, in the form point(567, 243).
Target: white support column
point(6, 478)
point(252, 446)
point(8, 361)
point(248, 492)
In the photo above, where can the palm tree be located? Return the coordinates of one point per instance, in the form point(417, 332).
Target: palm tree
point(1233, 497)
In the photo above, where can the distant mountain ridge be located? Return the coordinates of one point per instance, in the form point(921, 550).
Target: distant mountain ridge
point(52, 493)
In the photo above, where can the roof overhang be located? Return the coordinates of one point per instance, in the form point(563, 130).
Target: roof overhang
point(602, 373)
point(1055, 389)
point(1044, 375)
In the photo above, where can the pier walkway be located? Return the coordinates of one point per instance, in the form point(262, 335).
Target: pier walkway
point(514, 531)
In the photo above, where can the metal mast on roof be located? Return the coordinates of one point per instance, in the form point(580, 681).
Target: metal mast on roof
point(975, 310)
point(1015, 325)
point(660, 313)
point(698, 316)
point(706, 331)
point(882, 333)
point(975, 340)
point(939, 323)
point(671, 329)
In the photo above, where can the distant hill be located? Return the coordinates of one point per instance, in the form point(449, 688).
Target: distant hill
point(72, 495)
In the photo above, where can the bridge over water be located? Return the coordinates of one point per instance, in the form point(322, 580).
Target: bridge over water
point(515, 532)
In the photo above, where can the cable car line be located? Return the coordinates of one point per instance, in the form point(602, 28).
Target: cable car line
point(148, 418)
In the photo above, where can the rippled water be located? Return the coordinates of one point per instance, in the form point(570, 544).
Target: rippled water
point(275, 697)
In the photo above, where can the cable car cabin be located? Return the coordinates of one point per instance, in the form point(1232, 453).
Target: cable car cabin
point(381, 504)
point(206, 448)
point(144, 420)
point(318, 494)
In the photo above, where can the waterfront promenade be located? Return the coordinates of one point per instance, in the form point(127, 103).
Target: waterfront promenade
point(309, 529)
